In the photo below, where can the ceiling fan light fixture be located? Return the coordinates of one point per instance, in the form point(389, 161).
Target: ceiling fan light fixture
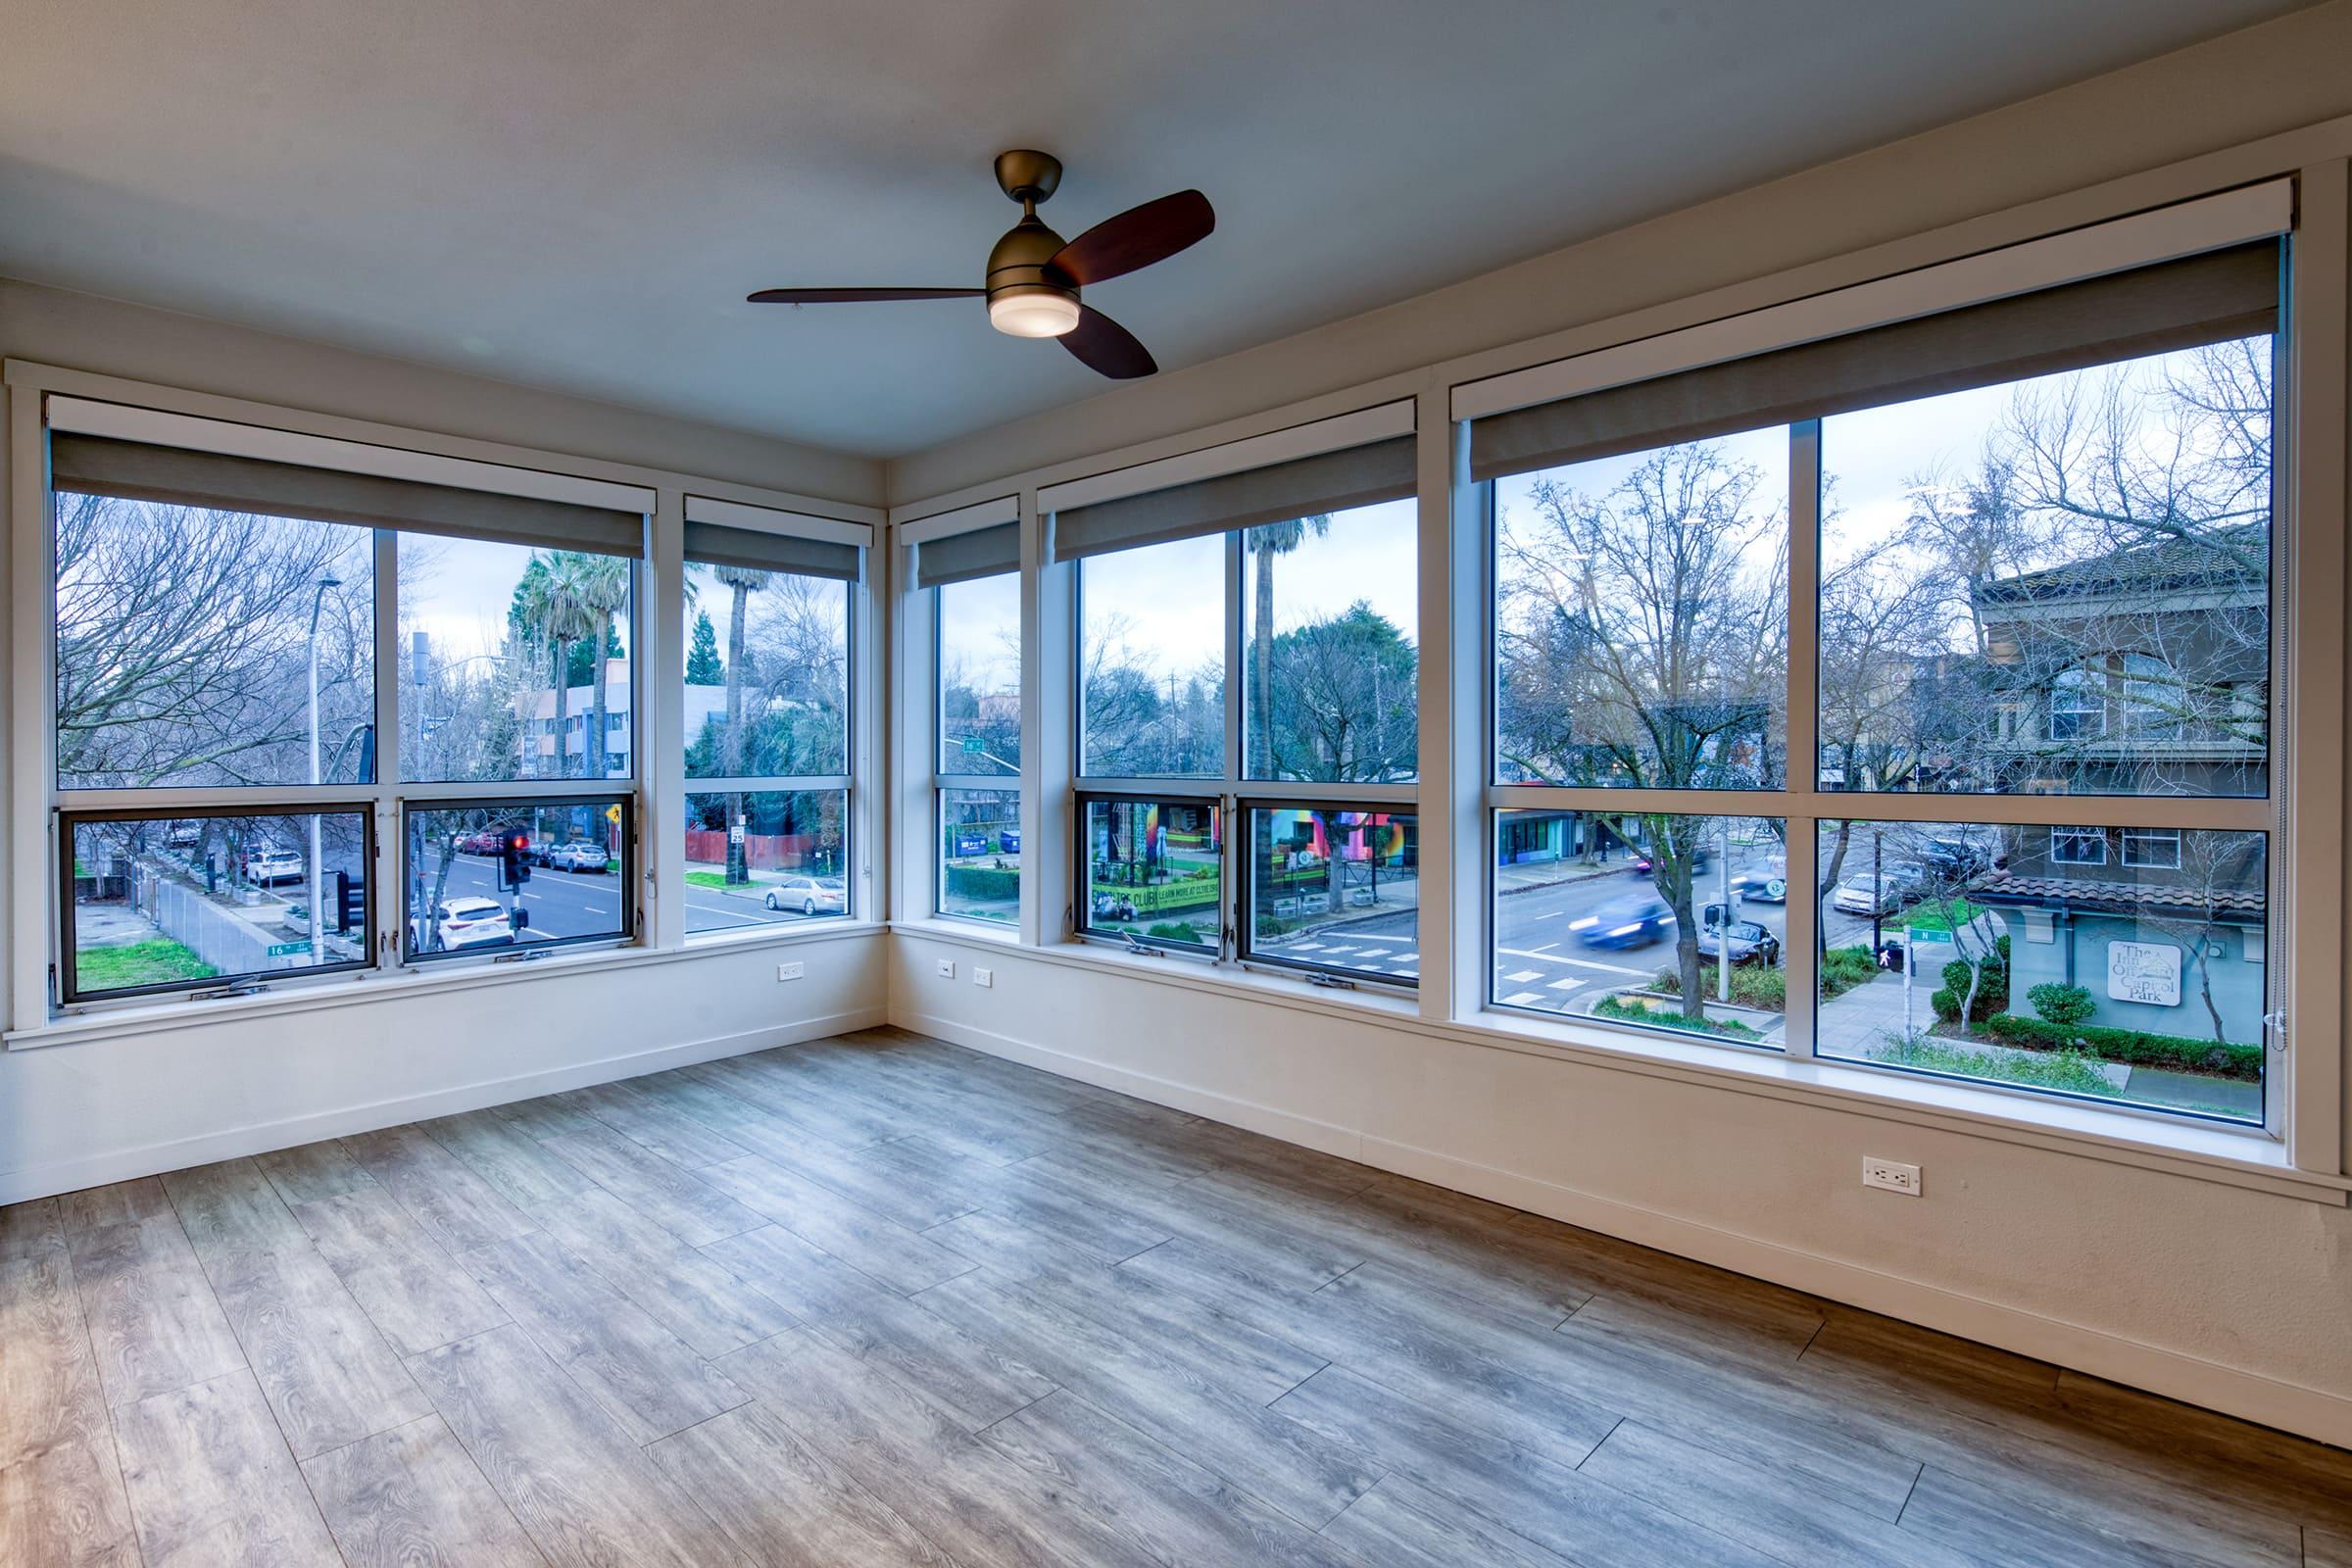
point(1032, 309)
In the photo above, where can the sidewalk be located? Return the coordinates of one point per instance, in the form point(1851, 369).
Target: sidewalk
point(1529, 875)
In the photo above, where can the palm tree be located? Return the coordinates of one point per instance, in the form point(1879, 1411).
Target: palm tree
point(1267, 541)
point(741, 582)
point(557, 613)
point(602, 584)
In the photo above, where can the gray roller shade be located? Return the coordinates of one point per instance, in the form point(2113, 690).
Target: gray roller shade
point(962, 557)
point(2200, 299)
point(1328, 481)
point(717, 545)
point(134, 471)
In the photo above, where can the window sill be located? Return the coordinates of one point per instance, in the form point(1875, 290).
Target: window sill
point(379, 986)
point(2247, 1158)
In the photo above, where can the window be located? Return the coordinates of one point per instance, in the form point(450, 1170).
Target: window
point(980, 854)
point(767, 721)
point(1627, 917)
point(1641, 613)
point(1152, 871)
point(791, 846)
point(1334, 891)
point(2143, 983)
point(1152, 662)
point(159, 903)
point(1331, 664)
point(217, 634)
point(2155, 848)
point(973, 583)
point(2078, 845)
point(2041, 567)
point(520, 872)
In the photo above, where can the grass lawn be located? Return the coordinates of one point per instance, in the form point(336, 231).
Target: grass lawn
point(2057, 1069)
point(1937, 917)
point(712, 879)
point(138, 964)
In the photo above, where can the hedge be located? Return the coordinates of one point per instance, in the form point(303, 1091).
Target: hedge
point(983, 882)
point(2133, 1048)
point(1758, 988)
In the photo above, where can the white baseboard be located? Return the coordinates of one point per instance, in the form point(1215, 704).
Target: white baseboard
point(261, 1137)
point(2249, 1396)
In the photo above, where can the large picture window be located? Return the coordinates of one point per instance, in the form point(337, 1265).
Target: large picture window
point(218, 636)
point(972, 582)
point(767, 716)
point(2029, 547)
point(1152, 870)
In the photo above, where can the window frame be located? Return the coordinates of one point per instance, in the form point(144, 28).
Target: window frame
point(2093, 837)
point(857, 602)
point(1240, 838)
point(2161, 835)
point(944, 782)
point(1082, 880)
point(404, 939)
point(68, 996)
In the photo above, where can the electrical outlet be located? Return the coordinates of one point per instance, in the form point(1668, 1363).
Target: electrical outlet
point(947, 968)
point(788, 971)
point(1891, 1175)
point(984, 977)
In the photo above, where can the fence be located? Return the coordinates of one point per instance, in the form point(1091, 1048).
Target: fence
point(220, 939)
point(766, 852)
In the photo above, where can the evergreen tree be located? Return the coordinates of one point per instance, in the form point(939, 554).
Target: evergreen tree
point(702, 666)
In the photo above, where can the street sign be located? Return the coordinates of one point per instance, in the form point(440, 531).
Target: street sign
point(971, 746)
point(287, 950)
point(612, 814)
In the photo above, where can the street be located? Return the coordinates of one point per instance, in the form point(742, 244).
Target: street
point(573, 903)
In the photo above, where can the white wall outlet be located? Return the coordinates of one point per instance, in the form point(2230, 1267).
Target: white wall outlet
point(947, 968)
point(1893, 1175)
point(788, 971)
point(983, 977)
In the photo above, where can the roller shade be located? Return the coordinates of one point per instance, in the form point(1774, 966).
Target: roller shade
point(714, 544)
point(962, 557)
point(2200, 299)
point(1328, 481)
point(134, 471)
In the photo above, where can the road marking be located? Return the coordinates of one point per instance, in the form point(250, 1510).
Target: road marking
point(1520, 977)
point(1561, 958)
point(1521, 998)
point(1546, 948)
point(595, 908)
point(1569, 984)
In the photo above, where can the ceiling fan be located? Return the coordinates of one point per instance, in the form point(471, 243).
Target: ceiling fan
point(1034, 278)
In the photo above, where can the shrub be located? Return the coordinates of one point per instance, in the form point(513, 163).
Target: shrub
point(1993, 987)
point(2134, 1048)
point(983, 882)
point(1844, 968)
point(1633, 1013)
point(1174, 931)
point(2062, 1004)
point(2069, 1070)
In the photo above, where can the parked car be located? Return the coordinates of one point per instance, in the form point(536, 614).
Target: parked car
point(268, 866)
point(811, 895)
point(472, 923)
point(1112, 906)
point(1633, 921)
point(1646, 860)
point(575, 855)
point(489, 841)
point(1866, 895)
point(1747, 942)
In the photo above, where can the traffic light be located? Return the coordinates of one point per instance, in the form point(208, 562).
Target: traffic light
point(511, 850)
point(351, 903)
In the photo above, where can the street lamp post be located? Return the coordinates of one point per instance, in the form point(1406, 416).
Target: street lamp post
point(317, 876)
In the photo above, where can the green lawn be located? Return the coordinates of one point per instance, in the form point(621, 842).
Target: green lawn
point(1937, 917)
point(2069, 1070)
point(712, 879)
point(138, 964)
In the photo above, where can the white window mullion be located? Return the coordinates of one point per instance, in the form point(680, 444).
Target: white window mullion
point(1455, 640)
point(658, 755)
point(31, 931)
point(387, 872)
point(1802, 841)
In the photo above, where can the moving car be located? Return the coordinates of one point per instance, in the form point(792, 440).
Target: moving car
point(268, 866)
point(1766, 884)
point(811, 895)
point(472, 923)
point(1633, 921)
point(1748, 943)
point(575, 855)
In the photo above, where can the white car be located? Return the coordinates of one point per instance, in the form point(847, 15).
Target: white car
point(811, 895)
point(269, 867)
point(472, 923)
point(580, 855)
point(1855, 895)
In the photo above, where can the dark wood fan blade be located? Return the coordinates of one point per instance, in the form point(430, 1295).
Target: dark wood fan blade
point(857, 296)
point(1137, 238)
point(1106, 348)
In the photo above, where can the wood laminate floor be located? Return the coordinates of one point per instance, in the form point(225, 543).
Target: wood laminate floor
point(881, 1301)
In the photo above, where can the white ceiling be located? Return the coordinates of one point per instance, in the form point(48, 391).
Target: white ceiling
point(578, 194)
